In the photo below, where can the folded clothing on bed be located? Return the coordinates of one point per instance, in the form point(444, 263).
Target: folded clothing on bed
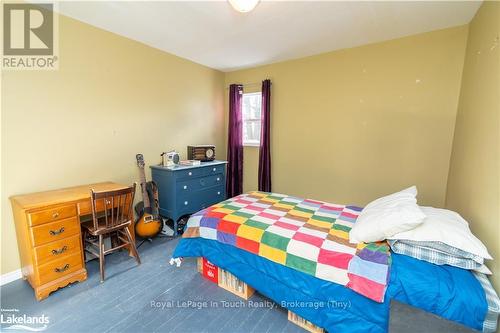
point(444, 238)
point(437, 253)
point(306, 235)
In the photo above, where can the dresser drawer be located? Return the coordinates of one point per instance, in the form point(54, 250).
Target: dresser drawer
point(189, 173)
point(57, 249)
point(201, 199)
point(60, 267)
point(54, 231)
point(52, 214)
point(187, 186)
point(188, 205)
point(211, 196)
point(215, 169)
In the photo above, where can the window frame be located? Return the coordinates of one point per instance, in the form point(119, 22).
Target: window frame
point(250, 143)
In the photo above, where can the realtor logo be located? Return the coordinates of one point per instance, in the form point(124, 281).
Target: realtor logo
point(13, 319)
point(29, 32)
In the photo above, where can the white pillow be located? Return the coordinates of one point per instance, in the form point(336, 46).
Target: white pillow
point(446, 226)
point(387, 216)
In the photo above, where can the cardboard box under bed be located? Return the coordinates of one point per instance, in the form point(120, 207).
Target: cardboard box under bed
point(231, 283)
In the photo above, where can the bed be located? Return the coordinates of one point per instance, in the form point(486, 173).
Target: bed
point(342, 306)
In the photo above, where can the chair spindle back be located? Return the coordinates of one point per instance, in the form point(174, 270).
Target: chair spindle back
point(116, 205)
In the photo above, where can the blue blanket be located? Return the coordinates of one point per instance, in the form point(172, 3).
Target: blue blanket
point(446, 291)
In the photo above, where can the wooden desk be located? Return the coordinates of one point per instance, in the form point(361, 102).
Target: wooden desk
point(49, 235)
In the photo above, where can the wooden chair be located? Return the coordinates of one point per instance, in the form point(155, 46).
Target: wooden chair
point(112, 214)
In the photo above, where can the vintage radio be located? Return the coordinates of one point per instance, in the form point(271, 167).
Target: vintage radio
point(202, 153)
point(169, 159)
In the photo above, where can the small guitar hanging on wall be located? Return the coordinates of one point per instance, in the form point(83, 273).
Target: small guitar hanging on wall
point(149, 223)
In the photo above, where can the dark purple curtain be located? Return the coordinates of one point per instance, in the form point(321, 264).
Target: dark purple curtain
point(265, 140)
point(234, 179)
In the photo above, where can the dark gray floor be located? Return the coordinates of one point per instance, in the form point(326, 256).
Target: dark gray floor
point(123, 303)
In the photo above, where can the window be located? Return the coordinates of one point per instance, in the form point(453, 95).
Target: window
point(252, 104)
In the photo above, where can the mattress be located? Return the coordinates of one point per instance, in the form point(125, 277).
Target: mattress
point(449, 292)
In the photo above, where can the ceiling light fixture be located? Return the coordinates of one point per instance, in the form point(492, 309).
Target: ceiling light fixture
point(244, 6)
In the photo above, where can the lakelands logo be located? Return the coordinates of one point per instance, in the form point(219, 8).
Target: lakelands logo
point(29, 36)
point(11, 319)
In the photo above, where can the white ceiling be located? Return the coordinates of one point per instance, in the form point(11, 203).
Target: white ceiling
point(213, 34)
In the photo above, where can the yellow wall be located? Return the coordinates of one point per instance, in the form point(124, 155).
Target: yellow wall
point(110, 99)
point(474, 180)
point(347, 126)
point(351, 125)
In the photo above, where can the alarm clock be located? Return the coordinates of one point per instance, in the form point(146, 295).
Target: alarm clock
point(202, 153)
point(170, 159)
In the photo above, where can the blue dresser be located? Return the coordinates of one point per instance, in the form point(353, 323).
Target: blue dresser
point(184, 190)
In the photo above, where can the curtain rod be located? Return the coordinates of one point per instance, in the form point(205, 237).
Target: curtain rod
point(249, 84)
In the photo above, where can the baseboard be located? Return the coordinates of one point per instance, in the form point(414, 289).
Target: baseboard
point(11, 276)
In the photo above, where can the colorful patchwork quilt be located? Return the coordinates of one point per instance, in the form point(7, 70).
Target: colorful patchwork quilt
point(307, 235)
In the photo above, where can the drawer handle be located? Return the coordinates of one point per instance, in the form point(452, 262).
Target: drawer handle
point(218, 193)
point(62, 269)
point(60, 251)
point(218, 179)
point(56, 232)
point(185, 187)
point(185, 203)
point(214, 169)
point(190, 173)
point(55, 215)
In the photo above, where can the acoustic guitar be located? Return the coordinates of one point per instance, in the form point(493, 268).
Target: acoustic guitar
point(149, 223)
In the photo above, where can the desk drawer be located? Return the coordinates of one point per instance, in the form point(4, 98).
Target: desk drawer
point(54, 231)
point(60, 267)
point(85, 207)
point(52, 214)
point(57, 249)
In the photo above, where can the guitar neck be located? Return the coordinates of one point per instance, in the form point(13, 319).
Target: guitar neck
point(145, 196)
